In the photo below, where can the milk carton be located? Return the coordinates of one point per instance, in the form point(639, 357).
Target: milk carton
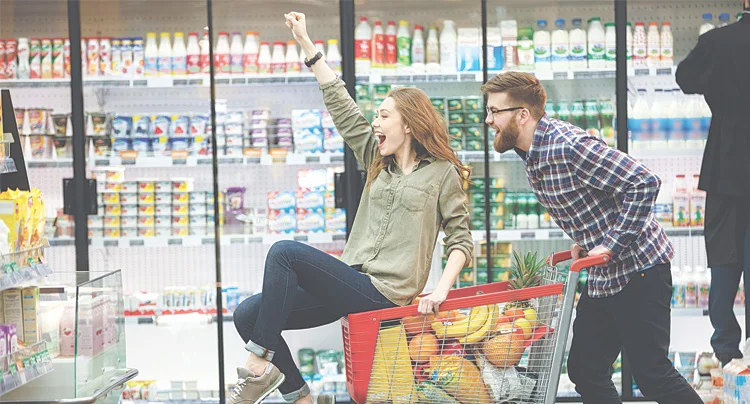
point(469, 50)
point(509, 32)
point(495, 53)
point(526, 48)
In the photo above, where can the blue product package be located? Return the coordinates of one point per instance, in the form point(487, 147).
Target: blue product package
point(282, 221)
point(336, 221)
point(198, 125)
point(120, 144)
point(280, 200)
point(179, 143)
point(310, 199)
point(161, 125)
point(122, 125)
point(332, 140)
point(180, 126)
point(311, 221)
point(308, 140)
point(306, 119)
point(141, 144)
point(141, 125)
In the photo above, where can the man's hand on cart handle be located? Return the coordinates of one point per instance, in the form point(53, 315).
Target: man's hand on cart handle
point(577, 252)
point(430, 304)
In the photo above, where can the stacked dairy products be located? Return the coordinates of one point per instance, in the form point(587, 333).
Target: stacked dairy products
point(668, 119)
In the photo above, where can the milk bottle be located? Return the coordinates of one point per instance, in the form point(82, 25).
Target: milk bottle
point(151, 55)
point(222, 55)
point(629, 43)
point(526, 48)
point(391, 51)
point(675, 113)
point(403, 46)
point(667, 45)
point(697, 204)
point(678, 288)
point(704, 286)
point(658, 121)
point(24, 67)
point(607, 111)
point(165, 55)
point(694, 123)
point(681, 202)
point(596, 44)
point(138, 56)
point(578, 47)
point(640, 48)
point(509, 34)
point(278, 58)
point(691, 288)
point(723, 20)
point(706, 115)
point(205, 54)
point(610, 41)
point(542, 47)
point(264, 58)
point(116, 57)
point(707, 24)
point(236, 55)
point(292, 58)
point(179, 55)
point(362, 47)
point(560, 46)
point(418, 51)
point(432, 52)
point(653, 44)
point(193, 54)
point(448, 48)
point(334, 57)
point(639, 125)
point(378, 46)
point(250, 53)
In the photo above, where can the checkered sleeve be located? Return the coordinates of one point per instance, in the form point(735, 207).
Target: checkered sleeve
point(614, 172)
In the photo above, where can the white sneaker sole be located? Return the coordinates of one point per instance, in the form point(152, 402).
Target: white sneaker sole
point(271, 389)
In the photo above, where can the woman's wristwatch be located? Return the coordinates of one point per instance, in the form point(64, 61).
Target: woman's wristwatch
point(311, 62)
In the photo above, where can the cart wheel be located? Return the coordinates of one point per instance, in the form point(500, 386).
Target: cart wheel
point(326, 399)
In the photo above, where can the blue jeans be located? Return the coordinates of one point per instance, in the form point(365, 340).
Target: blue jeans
point(303, 288)
point(725, 280)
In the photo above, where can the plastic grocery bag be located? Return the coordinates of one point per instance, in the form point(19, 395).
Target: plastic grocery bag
point(505, 384)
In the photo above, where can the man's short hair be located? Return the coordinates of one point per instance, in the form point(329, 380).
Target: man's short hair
point(524, 89)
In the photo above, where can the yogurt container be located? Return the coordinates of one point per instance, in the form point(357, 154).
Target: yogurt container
point(182, 185)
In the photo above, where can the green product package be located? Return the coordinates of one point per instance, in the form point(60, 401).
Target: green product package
point(456, 118)
point(455, 104)
point(473, 104)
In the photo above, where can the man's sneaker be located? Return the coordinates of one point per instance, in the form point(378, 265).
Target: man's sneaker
point(252, 390)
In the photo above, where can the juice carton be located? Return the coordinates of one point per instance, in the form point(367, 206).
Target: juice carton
point(469, 50)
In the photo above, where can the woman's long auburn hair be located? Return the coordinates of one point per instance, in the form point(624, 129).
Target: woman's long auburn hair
point(429, 133)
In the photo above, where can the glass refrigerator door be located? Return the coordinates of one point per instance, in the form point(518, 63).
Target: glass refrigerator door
point(278, 154)
point(570, 49)
point(147, 109)
point(667, 132)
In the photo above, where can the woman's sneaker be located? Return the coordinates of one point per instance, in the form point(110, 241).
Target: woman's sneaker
point(251, 389)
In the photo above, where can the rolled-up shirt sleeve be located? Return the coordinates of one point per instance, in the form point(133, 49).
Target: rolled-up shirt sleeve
point(455, 215)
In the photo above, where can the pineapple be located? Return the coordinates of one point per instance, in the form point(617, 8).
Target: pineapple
point(526, 272)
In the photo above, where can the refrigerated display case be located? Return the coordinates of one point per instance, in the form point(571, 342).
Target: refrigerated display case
point(254, 140)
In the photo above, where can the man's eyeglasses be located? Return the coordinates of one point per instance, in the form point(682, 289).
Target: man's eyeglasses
point(492, 111)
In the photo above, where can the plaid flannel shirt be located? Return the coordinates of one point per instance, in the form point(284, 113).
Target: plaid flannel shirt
point(598, 196)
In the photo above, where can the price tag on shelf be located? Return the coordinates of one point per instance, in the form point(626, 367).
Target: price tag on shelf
point(320, 238)
point(252, 152)
point(376, 79)
point(129, 155)
point(528, 235)
point(179, 154)
point(325, 158)
point(544, 74)
point(159, 82)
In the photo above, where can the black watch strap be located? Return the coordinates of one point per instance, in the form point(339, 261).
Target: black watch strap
point(311, 62)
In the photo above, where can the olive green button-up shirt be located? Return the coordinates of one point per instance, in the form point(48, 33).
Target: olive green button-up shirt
point(399, 216)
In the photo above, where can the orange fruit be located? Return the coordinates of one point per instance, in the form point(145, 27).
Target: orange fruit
point(422, 347)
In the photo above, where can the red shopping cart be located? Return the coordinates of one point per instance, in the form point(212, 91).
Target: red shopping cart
point(489, 344)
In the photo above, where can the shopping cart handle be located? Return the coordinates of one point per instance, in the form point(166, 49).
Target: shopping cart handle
point(577, 265)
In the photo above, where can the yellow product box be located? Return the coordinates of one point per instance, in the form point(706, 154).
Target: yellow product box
point(180, 198)
point(38, 217)
point(146, 210)
point(16, 212)
point(392, 376)
point(112, 232)
point(111, 198)
point(146, 198)
point(112, 222)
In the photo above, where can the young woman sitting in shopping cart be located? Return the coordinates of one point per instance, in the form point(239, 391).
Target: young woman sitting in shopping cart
point(414, 189)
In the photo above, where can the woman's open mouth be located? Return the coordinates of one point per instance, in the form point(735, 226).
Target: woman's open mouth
point(381, 140)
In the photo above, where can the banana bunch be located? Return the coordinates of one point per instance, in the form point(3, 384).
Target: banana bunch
point(476, 325)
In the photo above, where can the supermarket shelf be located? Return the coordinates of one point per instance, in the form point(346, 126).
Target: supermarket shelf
point(694, 312)
point(473, 156)
point(193, 241)
point(22, 267)
point(24, 366)
point(7, 166)
point(169, 312)
point(202, 80)
point(665, 153)
point(340, 398)
point(558, 234)
point(193, 161)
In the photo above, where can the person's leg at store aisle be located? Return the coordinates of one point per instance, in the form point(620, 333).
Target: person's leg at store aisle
point(594, 349)
point(641, 313)
point(290, 265)
point(726, 240)
point(308, 312)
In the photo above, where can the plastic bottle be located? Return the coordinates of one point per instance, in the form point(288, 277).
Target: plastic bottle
point(663, 206)
point(403, 47)
point(138, 56)
point(640, 125)
point(151, 55)
point(362, 47)
point(560, 47)
point(678, 288)
point(418, 50)
point(704, 286)
point(24, 67)
point(45, 60)
point(116, 59)
point(607, 116)
point(578, 114)
point(92, 55)
point(205, 55)
point(629, 42)
point(264, 58)
point(542, 47)
point(658, 137)
point(653, 45)
point(697, 204)
point(292, 58)
point(526, 48)
point(250, 53)
point(432, 51)
point(691, 288)
point(378, 46)
point(723, 20)
point(675, 112)
point(179, 55)
point(193, 53)
point(681, 202)
point(563, 112)
point(667, 45)
point(391, 51)
point(596, 44)
point(640, 46)
point(334, 56)
point(739, 16)
point(706, 117)
point(165, 55)
point(278, 58)
point(610, 41)
point(237, 54)
point(707, 24)
point(593, 125)
point(578, 48)
point(223, 56)
point(84, 57)
point(448, 48)
point(693, 123)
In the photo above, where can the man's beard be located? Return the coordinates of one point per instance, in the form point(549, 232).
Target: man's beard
point(507, 138)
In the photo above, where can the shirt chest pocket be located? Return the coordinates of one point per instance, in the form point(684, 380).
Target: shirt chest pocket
point(414, 199)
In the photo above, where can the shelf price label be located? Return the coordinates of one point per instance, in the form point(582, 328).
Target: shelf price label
point(128, 157)
point(179, 154)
